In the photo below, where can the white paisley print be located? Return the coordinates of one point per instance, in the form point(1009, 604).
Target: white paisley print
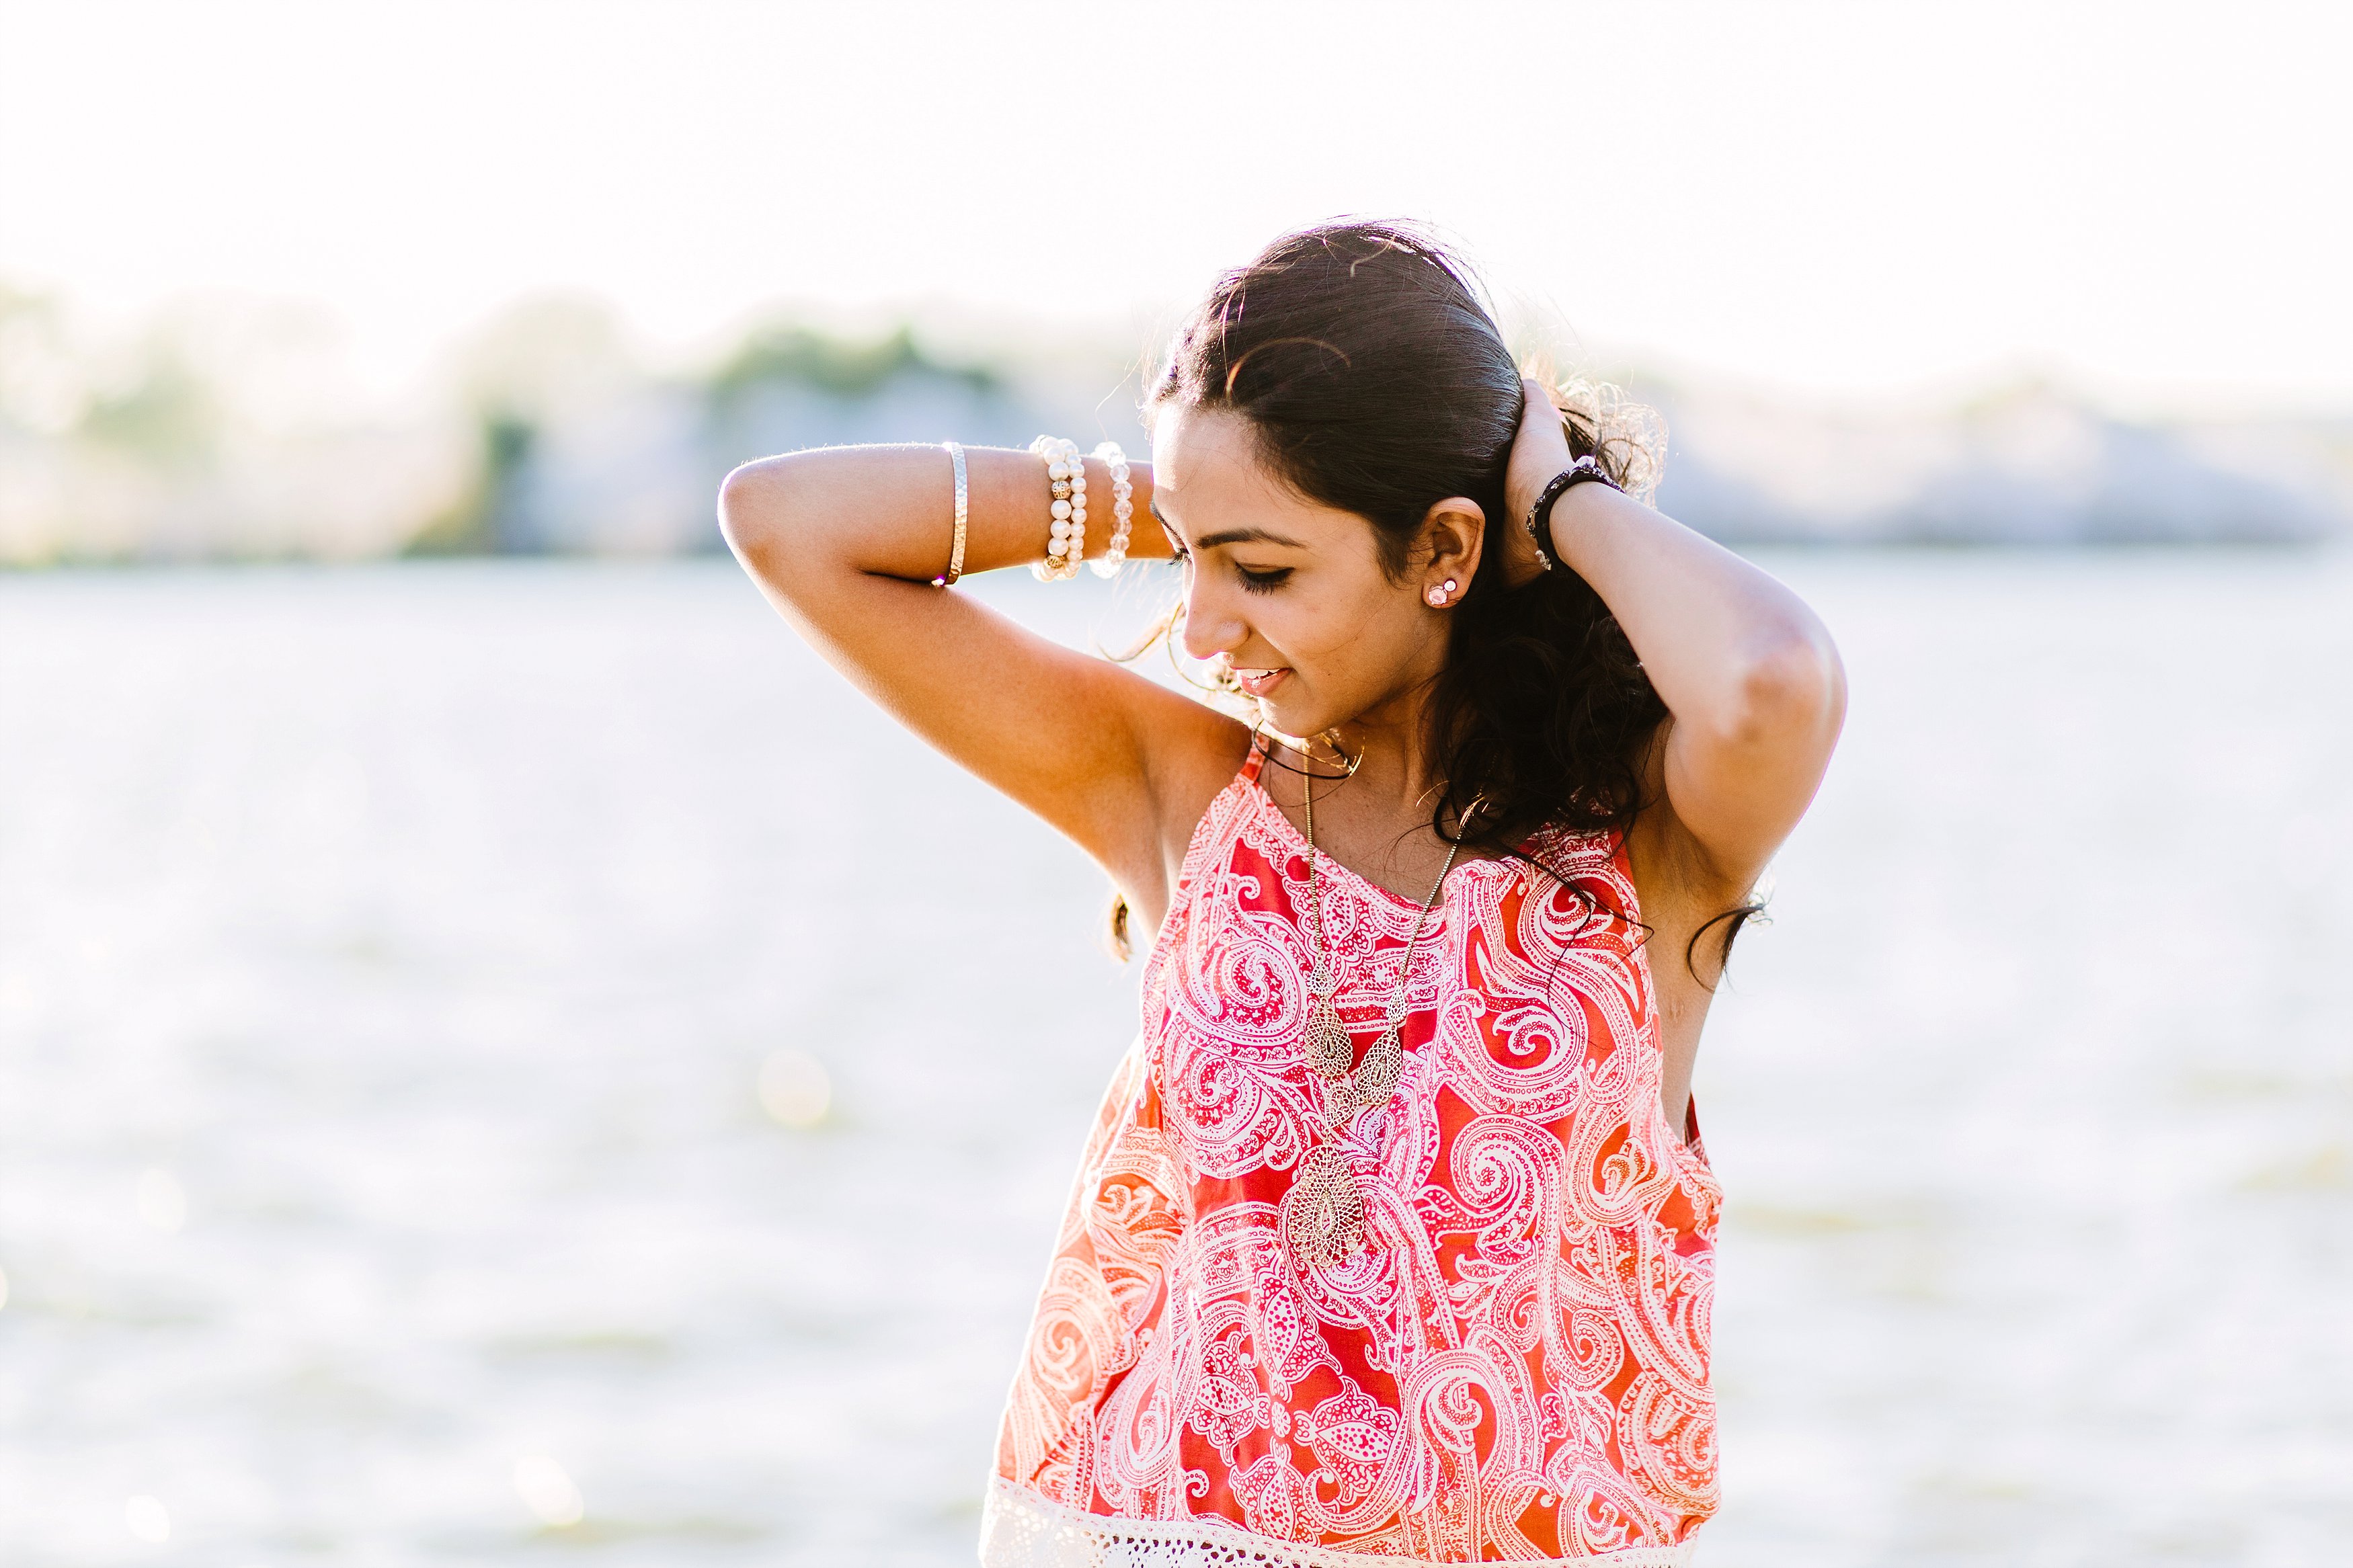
point(1514, 1369)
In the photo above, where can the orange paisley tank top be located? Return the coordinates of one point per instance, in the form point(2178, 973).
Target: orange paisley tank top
point(1514, 1368)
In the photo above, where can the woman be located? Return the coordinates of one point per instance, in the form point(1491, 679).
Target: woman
point(1394, 1238)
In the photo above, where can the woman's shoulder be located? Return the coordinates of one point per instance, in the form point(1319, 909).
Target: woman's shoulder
point(1587, 868)
point(1193, 756)
point(1574, 847)
point(1194, 760)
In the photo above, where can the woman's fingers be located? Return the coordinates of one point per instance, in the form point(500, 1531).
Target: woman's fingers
point(1539, 450)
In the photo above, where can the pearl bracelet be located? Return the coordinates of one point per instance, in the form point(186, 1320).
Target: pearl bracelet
point(1066, 539)
point(1123, 510)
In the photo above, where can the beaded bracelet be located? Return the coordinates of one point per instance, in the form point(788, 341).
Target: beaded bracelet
point(1066, 539)
point(1539, 519)
point(1123, 510)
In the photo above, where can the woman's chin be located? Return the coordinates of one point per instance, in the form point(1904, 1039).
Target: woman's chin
point(1285, 715)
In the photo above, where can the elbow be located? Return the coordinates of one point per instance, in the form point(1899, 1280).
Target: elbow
point(1790, 687)
point(767, 518)
point(751, 505)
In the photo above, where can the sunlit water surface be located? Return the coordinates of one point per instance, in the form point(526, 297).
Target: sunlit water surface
point(388, 959)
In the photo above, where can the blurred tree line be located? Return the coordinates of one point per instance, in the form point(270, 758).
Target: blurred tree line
point(230, 428)
point(220, 431)
point(578, 448)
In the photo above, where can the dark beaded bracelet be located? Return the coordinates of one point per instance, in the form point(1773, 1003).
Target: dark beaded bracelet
point(1539, 521)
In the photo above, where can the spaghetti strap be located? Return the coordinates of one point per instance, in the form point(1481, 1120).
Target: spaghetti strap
point(1255, 761)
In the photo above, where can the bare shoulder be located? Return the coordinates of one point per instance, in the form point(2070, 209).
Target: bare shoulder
point(1192, 752)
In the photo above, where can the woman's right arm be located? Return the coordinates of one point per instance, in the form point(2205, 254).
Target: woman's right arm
point(845, 541)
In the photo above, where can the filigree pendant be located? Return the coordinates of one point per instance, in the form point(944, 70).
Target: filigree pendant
point(1382, 1066)
point(1329, 1049)
point(1339, 1100)
point(1323, 1213)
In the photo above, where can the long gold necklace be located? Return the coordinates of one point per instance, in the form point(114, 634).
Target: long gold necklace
point(1323, 1214)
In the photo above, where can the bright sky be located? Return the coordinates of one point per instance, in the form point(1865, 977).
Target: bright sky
point(2149, 198)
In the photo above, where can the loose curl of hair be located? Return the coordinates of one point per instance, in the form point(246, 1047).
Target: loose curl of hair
point(1376, 381)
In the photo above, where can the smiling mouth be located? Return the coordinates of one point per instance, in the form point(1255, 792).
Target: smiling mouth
point(1258, 682)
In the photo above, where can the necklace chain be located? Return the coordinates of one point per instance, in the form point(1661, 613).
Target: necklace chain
point(1324, 1213)
point(1323, 982)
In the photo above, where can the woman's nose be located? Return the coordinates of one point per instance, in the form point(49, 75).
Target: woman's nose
point(1209, 631)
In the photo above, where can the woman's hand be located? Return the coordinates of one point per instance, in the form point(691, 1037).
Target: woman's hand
point(1539, 452)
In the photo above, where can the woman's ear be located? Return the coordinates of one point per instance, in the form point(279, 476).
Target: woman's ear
point(1454, 532)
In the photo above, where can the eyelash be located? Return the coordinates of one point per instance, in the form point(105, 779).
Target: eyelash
point(1252, 581)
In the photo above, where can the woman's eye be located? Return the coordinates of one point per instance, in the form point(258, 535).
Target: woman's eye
point(1262, 582)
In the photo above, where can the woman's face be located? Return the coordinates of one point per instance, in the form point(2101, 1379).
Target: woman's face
point(1285, 591)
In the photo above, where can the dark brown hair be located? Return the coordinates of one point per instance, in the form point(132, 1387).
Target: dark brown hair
point(1376, 382)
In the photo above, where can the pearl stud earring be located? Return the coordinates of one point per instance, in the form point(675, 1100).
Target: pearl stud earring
point(1438, 595)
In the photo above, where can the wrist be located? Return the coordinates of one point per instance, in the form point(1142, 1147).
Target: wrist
point(1554, 506)
point(1521, 560)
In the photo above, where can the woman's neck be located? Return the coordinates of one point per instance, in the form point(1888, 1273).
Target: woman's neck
point(1393, 759)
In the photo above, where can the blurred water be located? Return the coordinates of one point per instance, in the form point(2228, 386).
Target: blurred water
point(388, 958)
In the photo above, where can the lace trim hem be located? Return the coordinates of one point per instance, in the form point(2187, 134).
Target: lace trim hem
point(1019, 1529)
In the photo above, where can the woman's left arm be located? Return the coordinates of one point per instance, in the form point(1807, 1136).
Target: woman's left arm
point(1749, 676)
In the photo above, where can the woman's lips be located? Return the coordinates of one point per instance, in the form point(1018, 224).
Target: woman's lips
point(1259, 682)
